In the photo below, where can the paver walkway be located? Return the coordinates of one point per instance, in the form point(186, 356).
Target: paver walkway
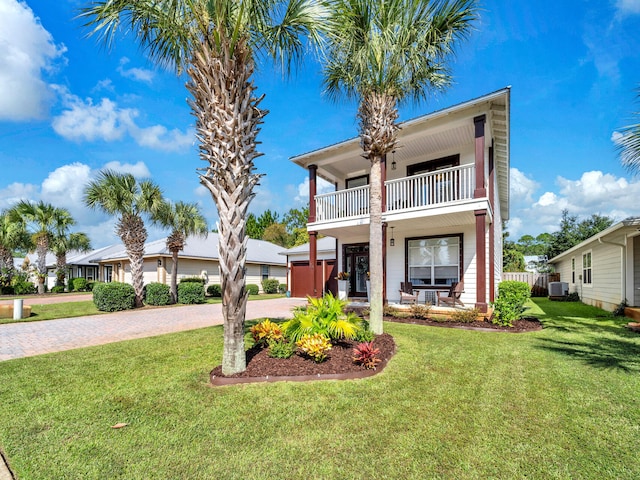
point(34, 338)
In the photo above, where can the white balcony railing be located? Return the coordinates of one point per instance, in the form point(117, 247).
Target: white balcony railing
point(418, 191)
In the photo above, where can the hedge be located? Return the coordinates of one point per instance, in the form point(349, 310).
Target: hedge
point(214, 290)
point(253, 289)
point(157, 294)
point(190, 292)
point(113, 296)
point(270, 285)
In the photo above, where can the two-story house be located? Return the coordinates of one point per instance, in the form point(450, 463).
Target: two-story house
point(445, 196)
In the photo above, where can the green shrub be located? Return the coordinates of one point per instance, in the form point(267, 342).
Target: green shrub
point(282, 288)
point(324, 316)
point(314, 346)
point(90, 286)
point(253, 289)
point(509, 305)
point(7, 290)
point(192, 280)
point(57, 289)
point(270, 285)
point(157, 294)
point(463, 315)
point(214, 290)
point(281, 348)
point(24, 288)
point(78, 284)
point(420, 311)
point(113, 296)
point(190, 292)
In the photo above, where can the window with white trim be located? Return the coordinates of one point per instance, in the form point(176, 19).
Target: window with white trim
point(573, 270)
point(265, 272)
point(434, 261)
point(586, 268)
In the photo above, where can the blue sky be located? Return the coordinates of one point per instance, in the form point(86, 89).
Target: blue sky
point(69, 107)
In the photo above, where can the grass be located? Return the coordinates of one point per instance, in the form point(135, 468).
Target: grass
point(70, 309)
point(559, 403)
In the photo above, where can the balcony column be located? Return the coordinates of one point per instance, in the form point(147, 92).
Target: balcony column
point(313, 236)
point(480, 190)
point(492, 229)
point(481, 260)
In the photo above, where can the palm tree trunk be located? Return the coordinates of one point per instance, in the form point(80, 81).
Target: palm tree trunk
point(61, 269)
point(228, 120)
point(174, 276)
point(375, 247)
point(133, 234)
point(42, 245)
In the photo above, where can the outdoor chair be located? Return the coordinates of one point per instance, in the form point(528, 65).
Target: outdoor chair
point(451, 298)
point(408, 294)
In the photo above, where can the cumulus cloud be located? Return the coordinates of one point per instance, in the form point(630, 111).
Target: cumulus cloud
point(521, 186)
point(134, 73)
point(27, 53)
point(322, 186)
point(82, 120)
point(138, 170)
point(15, 192)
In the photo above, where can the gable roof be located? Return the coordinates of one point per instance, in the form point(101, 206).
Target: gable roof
point(324, 244)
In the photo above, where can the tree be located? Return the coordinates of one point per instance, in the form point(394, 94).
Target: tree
point(629, 145)
point(120, 194)
point(218, 42)
point(13, 235)
point(382, 54)
point(44, 222)
point(573, 232)
point(277, 233)
point(184, 220)
point(66, 242)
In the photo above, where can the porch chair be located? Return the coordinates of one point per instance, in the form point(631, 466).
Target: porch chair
point(451, 297)
point(407, 293)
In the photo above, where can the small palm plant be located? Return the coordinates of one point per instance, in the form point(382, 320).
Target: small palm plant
point(325, 316)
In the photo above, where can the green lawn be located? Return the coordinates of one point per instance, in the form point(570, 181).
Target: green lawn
point(559, 403)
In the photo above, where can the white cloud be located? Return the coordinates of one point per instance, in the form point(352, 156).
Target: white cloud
point(627, 7)
point(138, 74)
point(84, 121)
point(521, 186)
point(322, 186)
point(27, 51)
point(15, 192)
point(547, 199)
point(138, 170)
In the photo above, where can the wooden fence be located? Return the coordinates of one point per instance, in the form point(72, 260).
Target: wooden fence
point(539, 282)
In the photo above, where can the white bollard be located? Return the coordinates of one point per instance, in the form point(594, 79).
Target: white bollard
point(17, 308)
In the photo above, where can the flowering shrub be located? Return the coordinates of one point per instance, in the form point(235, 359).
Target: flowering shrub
point(266, 331)
point(315, 346)
point(365, 354)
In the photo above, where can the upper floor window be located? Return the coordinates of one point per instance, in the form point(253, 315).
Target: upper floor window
point(586, 268)
point(433, 165)
point(357, 181)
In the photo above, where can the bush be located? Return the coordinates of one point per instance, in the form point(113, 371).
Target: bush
point(281, 349)
point(365, 354)
point(253, 289)
point(282, 288)
point(57, 289)
point(270, 285)
point(314, 346)
point(7, 290)
point(157, 294)
point(113, 296)
point(24, 288)
point(214, 291)
point(192, 280)
point(90, 286)
point(509, 305)
point(266, 331)
point(420, 311)
point(78, 284)
point(465, 316)
point(190, 292)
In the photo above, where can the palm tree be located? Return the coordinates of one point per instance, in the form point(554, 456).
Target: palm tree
point(44, 222)
point(184, 220)
point(382, 54)
point(67, 242)
point(13, 235)
point(120, 194)
point(629, 145)
point(217, 42)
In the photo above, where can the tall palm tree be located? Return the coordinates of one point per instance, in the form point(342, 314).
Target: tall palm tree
point(13, 235)
point(120, 194)
point(381, 54)
point(629, 145)
point(184, 220)
point(218, 42)
point(44, 222)
point(67, 242)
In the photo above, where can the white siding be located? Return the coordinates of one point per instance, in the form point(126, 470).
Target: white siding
point(636, 273)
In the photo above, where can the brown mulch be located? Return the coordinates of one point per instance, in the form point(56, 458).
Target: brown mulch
point(528, 324)
point(339, 361)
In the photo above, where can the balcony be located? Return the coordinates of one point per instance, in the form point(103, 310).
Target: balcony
point(404, 195)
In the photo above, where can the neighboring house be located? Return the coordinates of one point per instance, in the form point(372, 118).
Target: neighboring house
point(605, 269)
point(300, 278)
point(198, 259)
point(535, 263)
point(445, 195)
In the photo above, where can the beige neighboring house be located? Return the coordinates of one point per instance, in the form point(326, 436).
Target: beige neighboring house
point(198, 259)
point(604, 269)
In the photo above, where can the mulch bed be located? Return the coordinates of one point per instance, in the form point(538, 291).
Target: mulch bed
point(528, 324)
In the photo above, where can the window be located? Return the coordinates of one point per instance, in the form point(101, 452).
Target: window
point(265, 272)
point(434, 261)
point(573, 270)
point(586, 268)
point(357, 181)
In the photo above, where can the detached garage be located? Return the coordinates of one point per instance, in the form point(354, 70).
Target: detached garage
point(300, 281)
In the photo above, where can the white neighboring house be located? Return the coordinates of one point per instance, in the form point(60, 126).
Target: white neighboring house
point(198, 259)
point(533, 263)
point(299, 279)
point(605, 269)
point(445, 196)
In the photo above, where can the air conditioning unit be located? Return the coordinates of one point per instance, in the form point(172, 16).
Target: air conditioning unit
point(558, 289)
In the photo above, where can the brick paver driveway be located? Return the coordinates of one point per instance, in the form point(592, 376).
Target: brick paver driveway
point(35, 338)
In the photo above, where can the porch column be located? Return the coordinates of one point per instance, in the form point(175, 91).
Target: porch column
point(313, 236)
point(481, 261)
point(480, 190)
point(492, 229)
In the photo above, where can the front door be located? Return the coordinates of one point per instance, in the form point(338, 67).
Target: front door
point(356, 262)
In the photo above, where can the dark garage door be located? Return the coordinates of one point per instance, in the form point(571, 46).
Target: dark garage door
point(302, 279)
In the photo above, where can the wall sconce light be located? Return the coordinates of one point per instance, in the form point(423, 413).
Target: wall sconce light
point(159, 262)
point(392, 242)
point(119, 265)
point(393, 163)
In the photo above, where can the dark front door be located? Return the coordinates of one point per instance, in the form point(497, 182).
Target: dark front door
point(356, 262)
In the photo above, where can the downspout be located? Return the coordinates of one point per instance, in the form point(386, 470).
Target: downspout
point(623, 260)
